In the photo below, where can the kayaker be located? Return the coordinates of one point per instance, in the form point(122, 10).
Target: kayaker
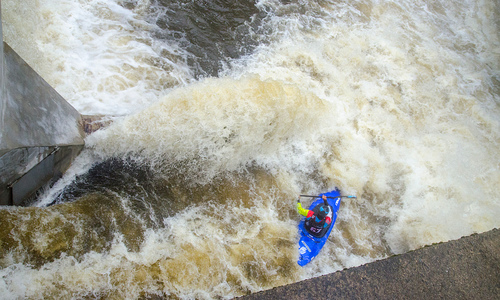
point(317, 220)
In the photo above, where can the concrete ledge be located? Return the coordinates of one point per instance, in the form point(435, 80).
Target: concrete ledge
point(33, 113)
point(40, 133)
point(468, 268)
point(92, 123)
point(25, 170)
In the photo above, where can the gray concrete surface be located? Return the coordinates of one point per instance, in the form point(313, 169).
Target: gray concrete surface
point(40, 133)
point(33, 114)
point(468, 268)
point(92, 123)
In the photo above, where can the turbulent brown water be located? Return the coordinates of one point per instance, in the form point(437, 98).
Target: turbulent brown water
point(226, 113)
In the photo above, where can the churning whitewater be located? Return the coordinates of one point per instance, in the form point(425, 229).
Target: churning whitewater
point(224, 113)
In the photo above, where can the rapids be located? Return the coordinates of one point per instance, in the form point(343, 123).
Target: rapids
point(224, 113)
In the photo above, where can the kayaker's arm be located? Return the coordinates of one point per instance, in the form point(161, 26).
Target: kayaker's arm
point(328, 219)
point(305, 212)
point(324, 200)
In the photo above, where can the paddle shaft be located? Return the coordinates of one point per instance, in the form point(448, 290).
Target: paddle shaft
point(311, 196)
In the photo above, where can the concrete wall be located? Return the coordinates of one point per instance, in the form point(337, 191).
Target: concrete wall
point(40, 133)
point(32, 113)
point(2, 75)
point(468, 268)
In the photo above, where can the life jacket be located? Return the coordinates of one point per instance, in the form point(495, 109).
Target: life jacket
point(316, 224)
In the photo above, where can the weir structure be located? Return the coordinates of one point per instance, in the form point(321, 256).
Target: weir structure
point(40, 133)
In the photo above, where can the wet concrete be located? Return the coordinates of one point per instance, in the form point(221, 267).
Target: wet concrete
point(33, 113)
point(92, 123)
point(40, 133)
point(468, 268)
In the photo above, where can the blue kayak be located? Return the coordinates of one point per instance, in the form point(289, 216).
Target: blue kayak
point(310, 246)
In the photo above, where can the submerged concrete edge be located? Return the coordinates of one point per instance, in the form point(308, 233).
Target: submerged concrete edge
point(93, 123)
point(467, 268)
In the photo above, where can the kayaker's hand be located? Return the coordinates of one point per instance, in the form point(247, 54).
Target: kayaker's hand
point(298, 200)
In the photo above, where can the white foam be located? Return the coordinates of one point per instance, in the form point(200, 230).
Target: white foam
point(98, 55)
point(395, 102)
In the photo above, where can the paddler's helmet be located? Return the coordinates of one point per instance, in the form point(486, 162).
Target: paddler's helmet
point(322, 212)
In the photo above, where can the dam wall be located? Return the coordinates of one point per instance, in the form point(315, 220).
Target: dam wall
point(468, 268)
point(40, 132)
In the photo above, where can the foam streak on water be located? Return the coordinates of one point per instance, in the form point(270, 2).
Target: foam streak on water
point(193, 196)
point(100, 56)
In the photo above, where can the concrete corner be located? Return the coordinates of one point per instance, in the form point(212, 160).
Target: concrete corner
point(468, 268)
point(40, 133)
